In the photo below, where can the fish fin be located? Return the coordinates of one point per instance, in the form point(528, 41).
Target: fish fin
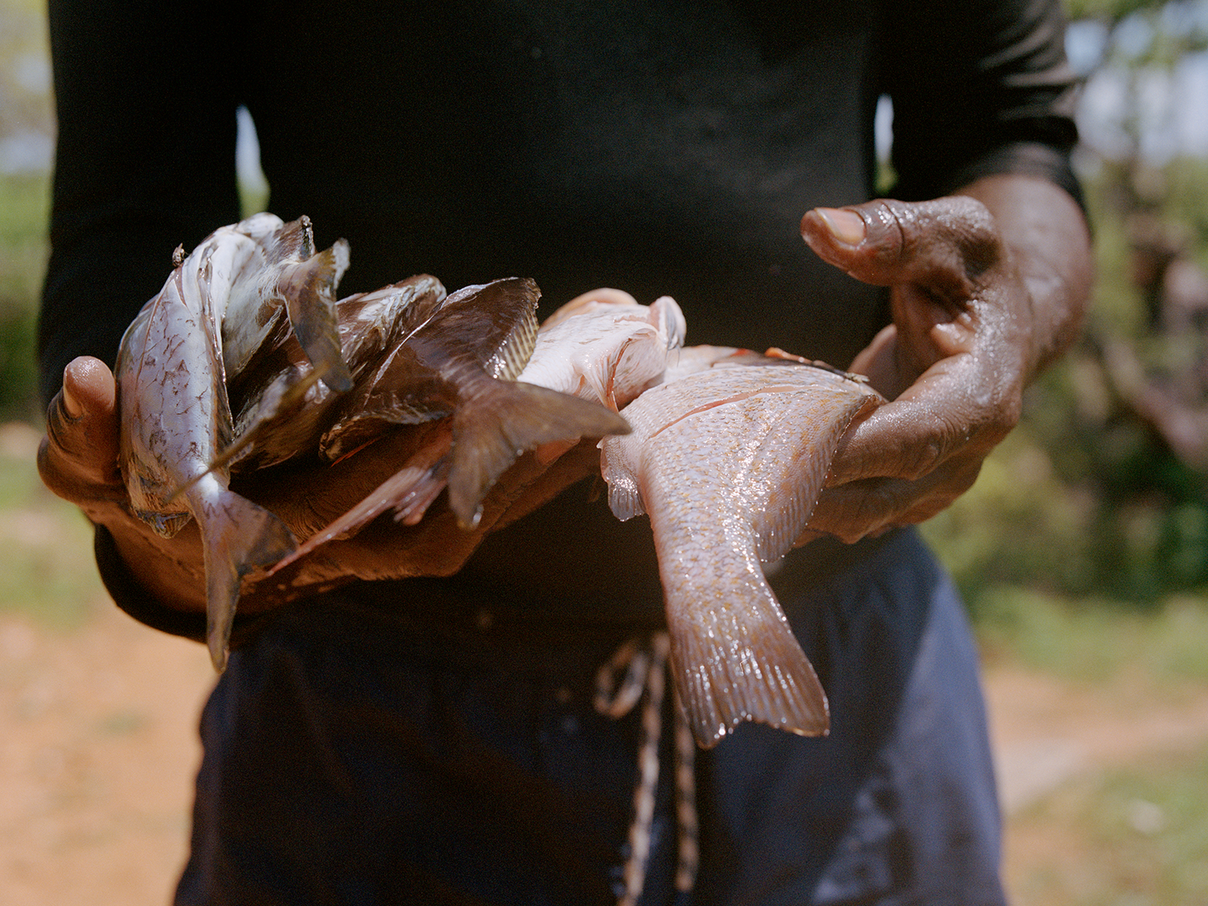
point(824, 418)
point(409, 492)
point(352, 432)
point(309, 290)
point(620, 464)
point(352, 521)
point(495, 324)
point(246, 537)
point(409, 509)
point(736, 659)
point(499, 421)
point(510, 359)
point(624, 497)
point(668, 318)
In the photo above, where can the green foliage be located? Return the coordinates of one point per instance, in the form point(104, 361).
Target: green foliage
point(1108, 10)
point(1073, 508)
point(1090, 640)
point(46, 569)
point(23, 251)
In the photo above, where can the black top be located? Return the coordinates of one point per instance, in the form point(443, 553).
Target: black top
point(659, 146)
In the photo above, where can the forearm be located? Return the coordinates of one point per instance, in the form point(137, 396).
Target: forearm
point(1048, 238)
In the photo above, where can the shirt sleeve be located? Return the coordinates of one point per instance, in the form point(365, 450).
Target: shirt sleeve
point(138, 603)
point(145, 160)
point(978, 87)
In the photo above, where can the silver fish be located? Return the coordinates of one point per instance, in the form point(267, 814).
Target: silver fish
point(728, 461)
point(214, 311)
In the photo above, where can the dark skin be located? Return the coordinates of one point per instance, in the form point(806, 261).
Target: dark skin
point(988, 287)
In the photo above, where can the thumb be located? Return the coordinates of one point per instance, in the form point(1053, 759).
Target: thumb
point(944, 244)
point(81, 443)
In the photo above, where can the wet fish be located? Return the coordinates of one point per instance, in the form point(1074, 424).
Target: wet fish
point(606, 347)
point(455, 376)
point(462, 364)
point(213, 313)
point(728, 459)
point(280, 412)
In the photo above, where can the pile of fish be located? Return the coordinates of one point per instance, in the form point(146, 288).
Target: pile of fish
point(246, 359)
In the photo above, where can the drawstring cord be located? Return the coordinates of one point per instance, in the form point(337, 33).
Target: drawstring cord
point(638, 672)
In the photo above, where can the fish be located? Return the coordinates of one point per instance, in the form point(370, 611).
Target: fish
point(458, 378)
point(728, 457)
point(606, 347)
point(215, 310)
point(280, 412)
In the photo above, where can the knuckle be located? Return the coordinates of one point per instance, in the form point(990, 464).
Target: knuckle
point(949, 242)
point(931, 447)
point(925, 458)
point(976, 236)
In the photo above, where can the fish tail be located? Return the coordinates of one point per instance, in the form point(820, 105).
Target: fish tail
point(408, 492)
point(244, 537)
point(309, 290)
point(736, 659)
point(499, 421)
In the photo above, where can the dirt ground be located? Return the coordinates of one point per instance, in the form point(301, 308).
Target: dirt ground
point(98, 750)
point(97, 756)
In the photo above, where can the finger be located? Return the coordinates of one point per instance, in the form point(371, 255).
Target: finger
point(942, 414)
point(869, 507)
point(81, 444)
point(899, 440)
point(945, 244)
point(879, 363)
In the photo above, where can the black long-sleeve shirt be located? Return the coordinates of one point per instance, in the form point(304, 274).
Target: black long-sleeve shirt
point(660, 147)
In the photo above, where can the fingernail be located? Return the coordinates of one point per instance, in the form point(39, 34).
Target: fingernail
point(846, 226)
point(72, 406)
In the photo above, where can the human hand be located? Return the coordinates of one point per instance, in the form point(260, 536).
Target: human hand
point(78, 456)
point(78, 461)
point(975, 317)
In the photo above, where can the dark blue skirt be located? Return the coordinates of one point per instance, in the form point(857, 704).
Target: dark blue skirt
point(399, 744)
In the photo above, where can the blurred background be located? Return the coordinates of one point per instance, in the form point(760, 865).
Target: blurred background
point(1082, 550)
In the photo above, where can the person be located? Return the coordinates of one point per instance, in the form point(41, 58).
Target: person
point(411, 719)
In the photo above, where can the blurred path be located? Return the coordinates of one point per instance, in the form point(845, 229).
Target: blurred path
point(1047, 731)
point(98, 748)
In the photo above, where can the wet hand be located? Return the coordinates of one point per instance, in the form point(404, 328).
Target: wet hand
point(79, 461)
point(954, 362)
point(78, 457)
